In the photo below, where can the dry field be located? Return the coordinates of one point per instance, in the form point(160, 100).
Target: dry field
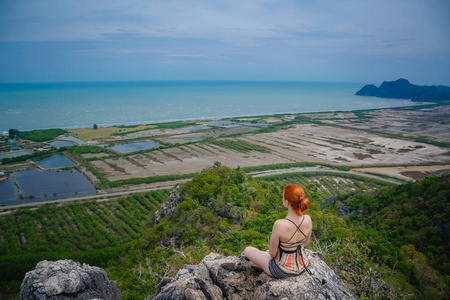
point(432, 123)
point(407, 173)
point(98, 155)
point(306, 142)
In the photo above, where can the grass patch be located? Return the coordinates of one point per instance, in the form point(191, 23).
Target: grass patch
point(173, 125)
point(360, 114)
point(293, 165)
point(127, 126)
point(107, 132)
point(375, 151)
point(152, 179)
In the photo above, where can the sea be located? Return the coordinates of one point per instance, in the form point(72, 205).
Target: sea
point(29, 106)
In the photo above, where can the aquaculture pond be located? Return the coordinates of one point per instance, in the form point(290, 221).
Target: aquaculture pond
point(190, 128)
point(36, 185)
point(254, 124)
point(72, 139)
point(58, 144)
point(220, 123)
point(54, 161)
point(135, 146)
point(67, 141)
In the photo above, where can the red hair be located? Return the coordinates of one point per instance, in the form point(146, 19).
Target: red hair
point(295, 195)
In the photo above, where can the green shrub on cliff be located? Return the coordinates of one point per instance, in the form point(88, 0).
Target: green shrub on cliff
point(223, 210)
point(413, 220)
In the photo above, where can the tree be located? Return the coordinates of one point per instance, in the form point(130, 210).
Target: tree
point(95, 126)
point(13, 133)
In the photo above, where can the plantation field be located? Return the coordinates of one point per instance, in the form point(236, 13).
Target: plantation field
point(91, 232)
point(79, 226)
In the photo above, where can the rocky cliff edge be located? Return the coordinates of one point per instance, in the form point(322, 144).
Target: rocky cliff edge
point(232, 278)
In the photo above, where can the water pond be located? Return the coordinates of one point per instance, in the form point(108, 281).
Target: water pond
point(135, 146)
point(58, 144)
point(190, 128)
point(67, 141)
point(54, 161)
point(220, 123)
point(36, 185)
point(72, 139)
point(254, 124)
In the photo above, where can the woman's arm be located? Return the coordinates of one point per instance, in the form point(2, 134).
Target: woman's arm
point(309, 231)
point(274, 240)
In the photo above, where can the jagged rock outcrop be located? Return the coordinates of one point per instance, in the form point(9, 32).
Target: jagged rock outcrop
point(66, 279)
point(232, 278)
point(169, 206)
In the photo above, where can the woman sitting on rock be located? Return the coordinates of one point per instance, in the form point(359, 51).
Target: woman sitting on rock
point(285, 256)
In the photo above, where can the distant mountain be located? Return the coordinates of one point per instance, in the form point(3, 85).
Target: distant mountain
point(403, 89)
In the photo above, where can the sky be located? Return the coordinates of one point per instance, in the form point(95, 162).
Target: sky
point(366, 41)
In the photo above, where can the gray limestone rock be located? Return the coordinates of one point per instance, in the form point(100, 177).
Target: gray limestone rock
point(232, 278)
point(169, 206)
point(66, 279)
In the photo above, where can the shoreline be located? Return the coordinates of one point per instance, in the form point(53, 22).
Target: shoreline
point(81, 106)
point(243, 116)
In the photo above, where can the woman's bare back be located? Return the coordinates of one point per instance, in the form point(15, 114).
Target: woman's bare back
point(290, 234)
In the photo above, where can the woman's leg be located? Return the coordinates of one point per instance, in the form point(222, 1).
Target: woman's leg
point(258, 257)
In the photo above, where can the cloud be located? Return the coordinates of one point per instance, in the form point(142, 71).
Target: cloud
point(242, 23)
point(292, 36)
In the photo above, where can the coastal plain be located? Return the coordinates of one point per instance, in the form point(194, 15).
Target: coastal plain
point(405, 143)
point(412, 142)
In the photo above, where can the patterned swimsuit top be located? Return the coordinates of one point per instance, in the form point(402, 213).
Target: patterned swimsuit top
point(295, 245)
point(292, 262)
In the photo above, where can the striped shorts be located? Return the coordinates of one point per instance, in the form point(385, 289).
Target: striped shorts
point(276, 271)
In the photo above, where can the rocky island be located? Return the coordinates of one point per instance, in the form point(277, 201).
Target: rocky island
point(403, 89)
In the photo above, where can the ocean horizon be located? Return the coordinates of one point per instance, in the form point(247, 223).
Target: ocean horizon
point(30, 106)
